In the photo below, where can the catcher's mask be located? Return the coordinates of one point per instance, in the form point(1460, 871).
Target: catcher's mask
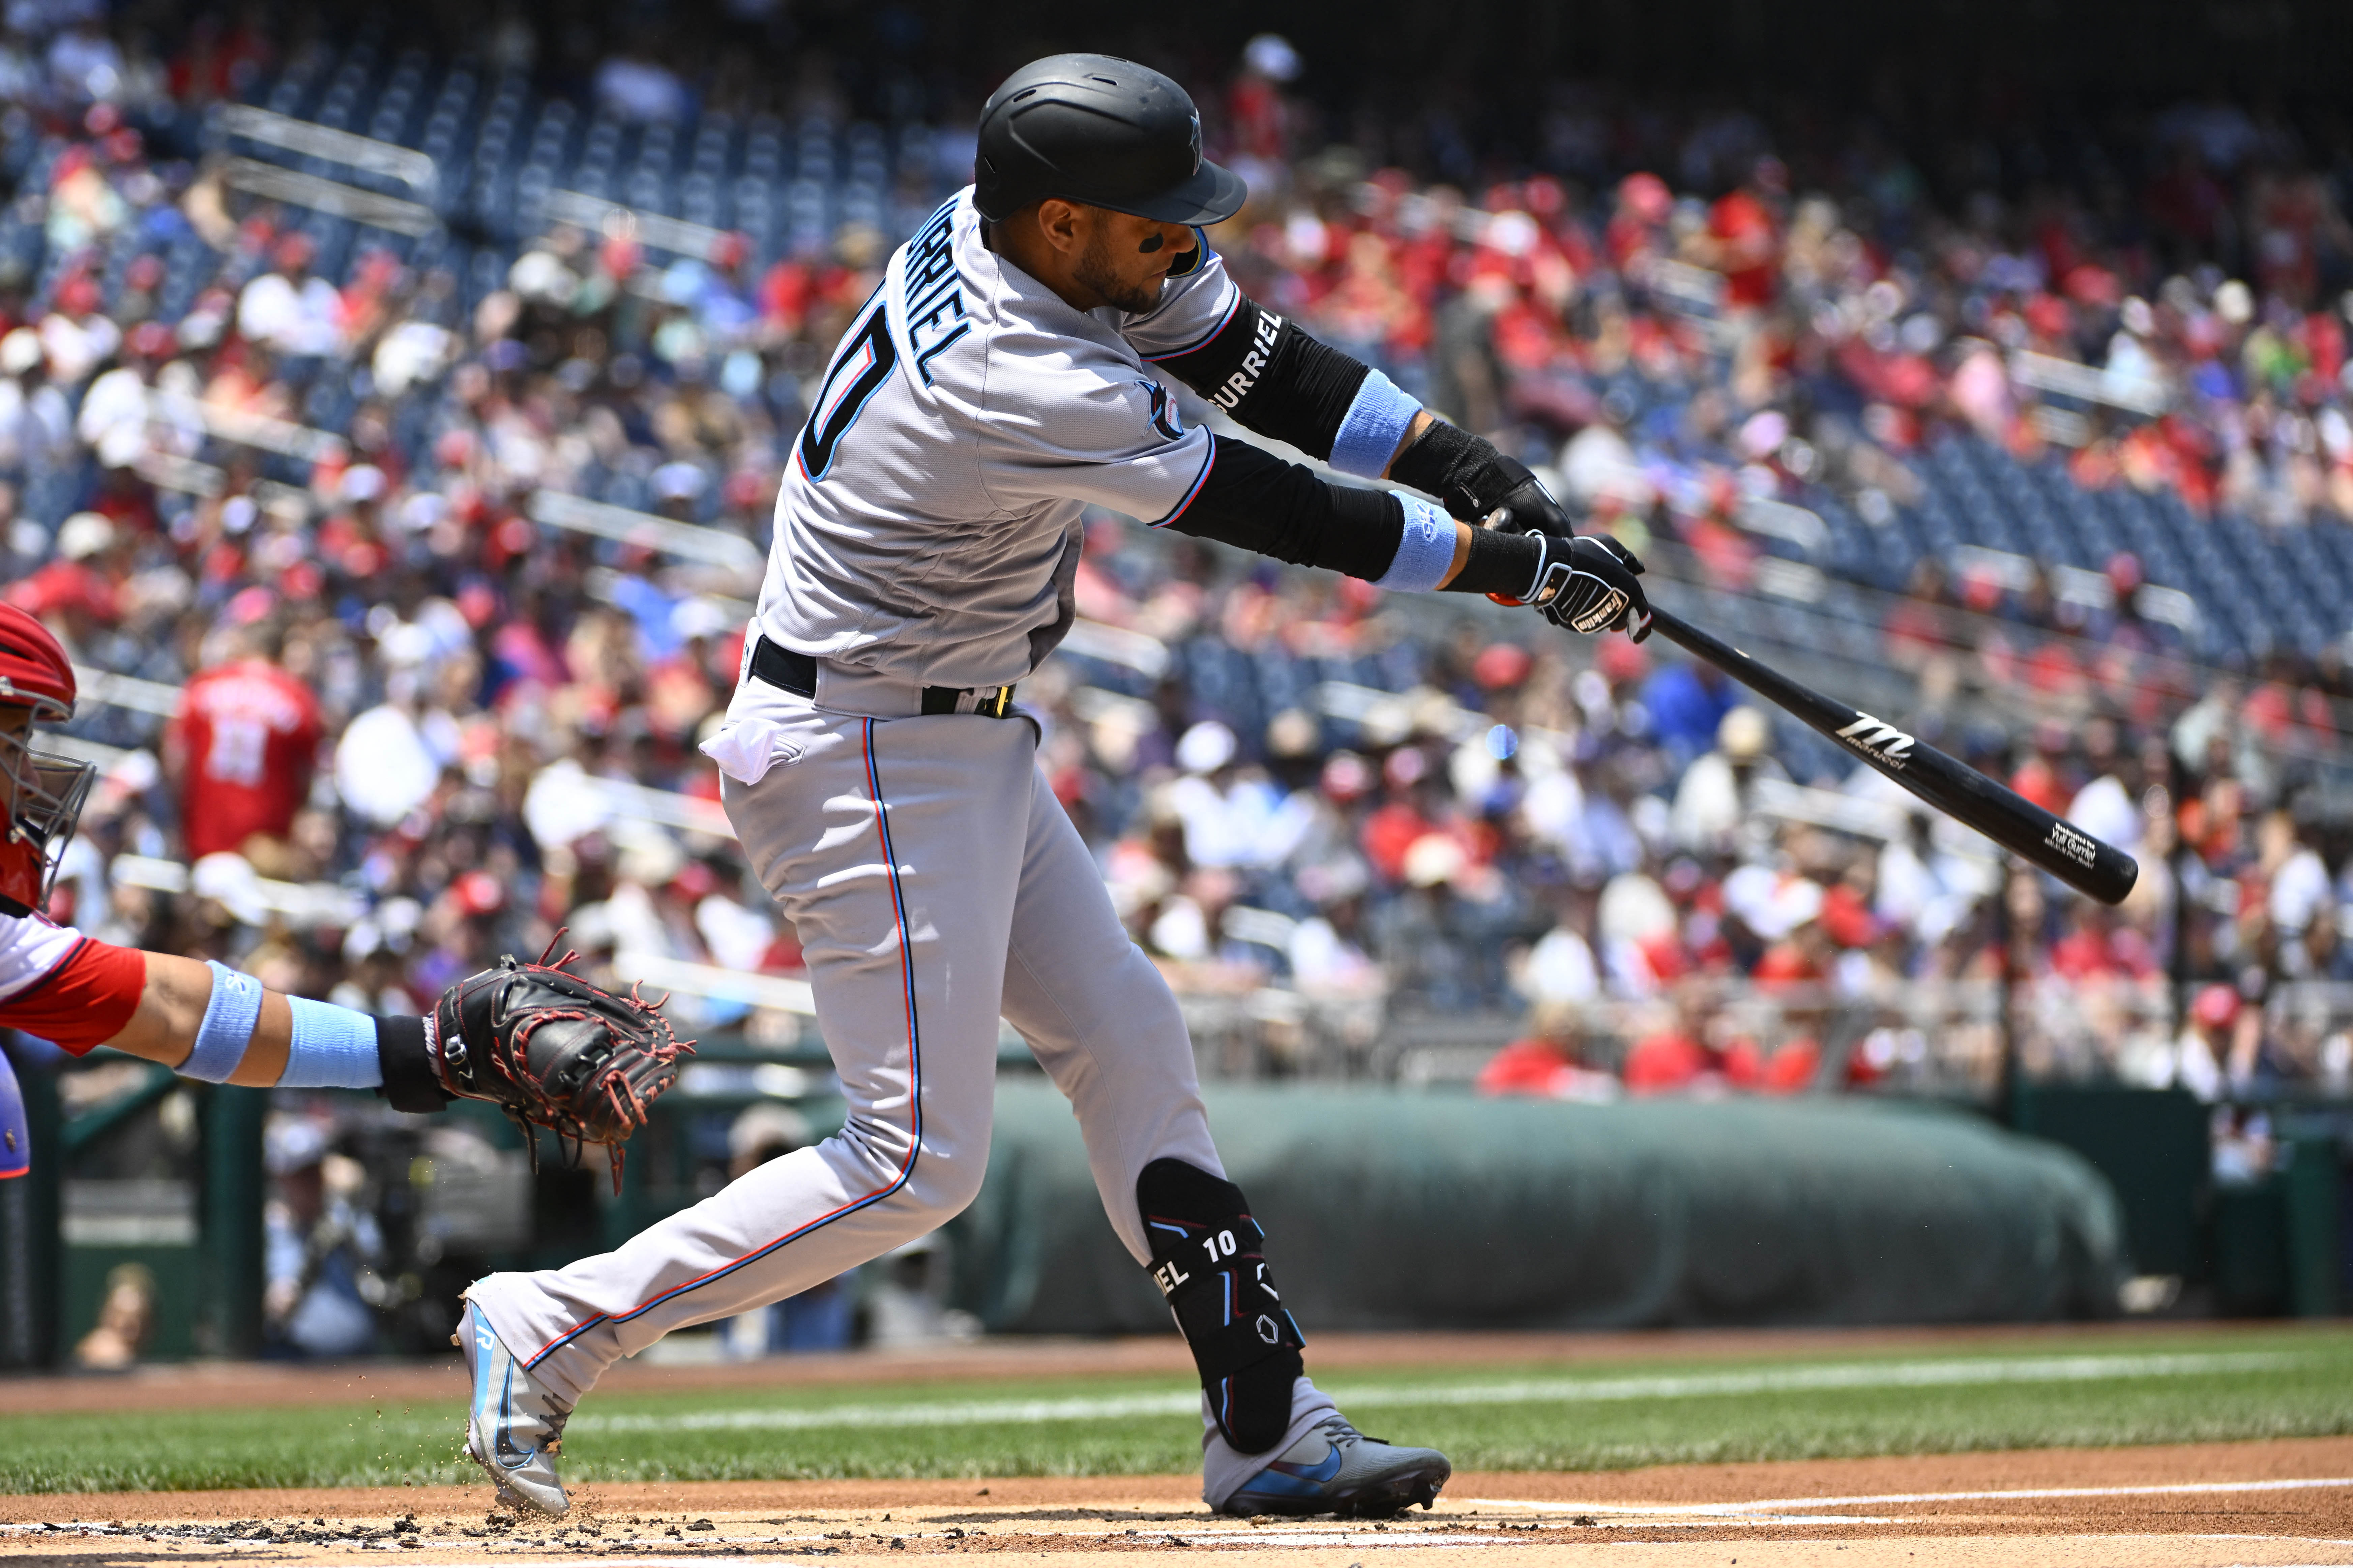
point(42, 791)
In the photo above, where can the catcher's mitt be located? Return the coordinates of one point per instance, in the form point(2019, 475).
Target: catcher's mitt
point(552, 1050)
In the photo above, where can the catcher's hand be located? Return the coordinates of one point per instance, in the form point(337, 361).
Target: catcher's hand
point(552, 1050)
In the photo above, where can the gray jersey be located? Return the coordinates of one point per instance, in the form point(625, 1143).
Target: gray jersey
point(928, 525)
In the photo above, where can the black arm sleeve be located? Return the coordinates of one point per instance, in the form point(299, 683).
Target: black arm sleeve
point(1255, 501)
point(1272, 378)
point(1465, 472)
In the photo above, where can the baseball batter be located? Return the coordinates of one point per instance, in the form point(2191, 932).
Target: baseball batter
point(1011, 369)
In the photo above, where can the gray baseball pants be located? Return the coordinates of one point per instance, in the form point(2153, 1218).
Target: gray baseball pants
point(935, 883)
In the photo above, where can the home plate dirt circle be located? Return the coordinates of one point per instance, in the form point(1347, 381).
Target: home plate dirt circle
point(2206, 1506)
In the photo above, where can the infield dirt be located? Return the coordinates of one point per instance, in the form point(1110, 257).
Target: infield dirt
point(2279, 1502)
point(2270, 1502)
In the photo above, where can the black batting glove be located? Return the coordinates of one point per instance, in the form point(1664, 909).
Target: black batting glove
point(1527, 506)
point(1590, 586)
point(1474, 482)
point(1586, 584)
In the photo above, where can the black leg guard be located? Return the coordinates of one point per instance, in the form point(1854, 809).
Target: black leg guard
point(1206, 1260)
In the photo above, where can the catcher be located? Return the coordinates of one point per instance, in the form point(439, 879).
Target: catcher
point(547, 1047)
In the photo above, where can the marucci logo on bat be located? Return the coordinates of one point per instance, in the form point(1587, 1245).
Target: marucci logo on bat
point(2082, 848)
point(1878, 740)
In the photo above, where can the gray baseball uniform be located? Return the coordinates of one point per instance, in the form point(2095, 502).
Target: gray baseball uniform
point(927, 534)
point(928, 528)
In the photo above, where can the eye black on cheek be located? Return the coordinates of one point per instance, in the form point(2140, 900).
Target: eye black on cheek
point(1149, 246)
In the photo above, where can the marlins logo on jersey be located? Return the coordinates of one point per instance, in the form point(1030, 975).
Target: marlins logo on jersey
point(1164, 412)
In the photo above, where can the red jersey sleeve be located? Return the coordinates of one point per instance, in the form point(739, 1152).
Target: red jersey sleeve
point(85, 1000)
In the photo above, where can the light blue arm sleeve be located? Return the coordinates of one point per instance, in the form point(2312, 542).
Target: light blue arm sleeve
point(333, 1047)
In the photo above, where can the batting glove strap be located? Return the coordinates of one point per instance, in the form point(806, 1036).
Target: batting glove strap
point(1588, 585)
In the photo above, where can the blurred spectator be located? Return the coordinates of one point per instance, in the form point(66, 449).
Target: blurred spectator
point(288, 310)
point(385, 768)
point(126, 1318)
point(35, 420)
point(1688, 703)
point(1547, 1063)
point(1716, 801)
point(321, 1246)
point(243, 747)
point(2199, 1060)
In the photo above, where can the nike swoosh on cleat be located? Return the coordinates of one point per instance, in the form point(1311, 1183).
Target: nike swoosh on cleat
point(506, 1444)
point(1322, 1471)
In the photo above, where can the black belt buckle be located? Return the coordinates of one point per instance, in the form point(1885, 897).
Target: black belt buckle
point(797, 673)
point(989, 702)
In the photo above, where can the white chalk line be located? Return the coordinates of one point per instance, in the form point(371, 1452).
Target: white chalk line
point(1353, 1542)
point(1227, 1536)
point(1952, 1372)
point(778, 1547)
point(1261, 1538)
point(1878, 1499)
point(1223, 1532)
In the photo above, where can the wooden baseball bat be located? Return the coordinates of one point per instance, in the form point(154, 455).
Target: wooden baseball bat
point(1960, 791)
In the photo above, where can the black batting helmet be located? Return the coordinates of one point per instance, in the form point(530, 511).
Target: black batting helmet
point(1105, 131)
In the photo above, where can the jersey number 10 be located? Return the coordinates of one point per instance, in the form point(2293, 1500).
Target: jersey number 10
point(860, 368)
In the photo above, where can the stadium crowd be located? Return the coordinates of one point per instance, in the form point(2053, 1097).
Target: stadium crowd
point(299, 470)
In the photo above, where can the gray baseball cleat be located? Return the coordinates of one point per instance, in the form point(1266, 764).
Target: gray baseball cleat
point(515, 1426)
point(1335, 1469)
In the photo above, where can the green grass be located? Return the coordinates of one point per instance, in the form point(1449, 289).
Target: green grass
point(1564, 1416)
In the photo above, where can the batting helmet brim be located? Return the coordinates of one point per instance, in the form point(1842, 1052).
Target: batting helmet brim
point(1212, 195)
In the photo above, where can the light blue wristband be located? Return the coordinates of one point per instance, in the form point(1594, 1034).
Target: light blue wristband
point(333, 1047)
point(229, 1018)
point(1426, 551)
point(1375, 422)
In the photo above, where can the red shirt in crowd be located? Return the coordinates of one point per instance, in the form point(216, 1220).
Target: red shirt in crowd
point(1388, 833)
point(1743, 227)
point(2089, 952)
point(1526, 1068)
point(249, 732)
point(1671, 1060)
point(1667, 1060)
